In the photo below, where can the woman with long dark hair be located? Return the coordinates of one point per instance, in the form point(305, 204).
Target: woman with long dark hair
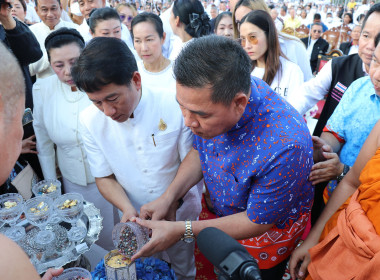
point(258, 37)
point(188, 20)
point(291, 46)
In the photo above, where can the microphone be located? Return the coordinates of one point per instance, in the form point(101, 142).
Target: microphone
point(227, 255)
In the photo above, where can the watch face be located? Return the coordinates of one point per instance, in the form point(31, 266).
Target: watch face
point(188, 239)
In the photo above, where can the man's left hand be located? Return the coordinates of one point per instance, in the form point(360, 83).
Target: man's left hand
point(326, 170)
point(164, 235)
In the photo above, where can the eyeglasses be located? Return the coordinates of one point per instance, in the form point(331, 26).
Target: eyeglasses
point(123, 17)
point(253, 40)
point(317, 31)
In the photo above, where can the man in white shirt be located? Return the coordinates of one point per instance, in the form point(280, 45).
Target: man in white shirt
point(135, 139)
point(50, 13)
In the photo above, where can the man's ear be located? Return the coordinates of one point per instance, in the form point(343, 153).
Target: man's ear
point(239, 102)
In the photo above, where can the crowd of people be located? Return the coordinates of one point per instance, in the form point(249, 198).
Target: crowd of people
point(146, 107)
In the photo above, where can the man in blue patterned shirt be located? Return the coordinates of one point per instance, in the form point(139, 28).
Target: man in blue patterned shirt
point(253, 150)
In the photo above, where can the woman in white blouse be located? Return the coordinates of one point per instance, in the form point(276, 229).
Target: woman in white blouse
point(188, 20)
point(148, 37)
point(258, 37)
point(57, 105)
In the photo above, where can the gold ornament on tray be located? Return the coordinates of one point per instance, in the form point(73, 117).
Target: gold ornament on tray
point(162, 125)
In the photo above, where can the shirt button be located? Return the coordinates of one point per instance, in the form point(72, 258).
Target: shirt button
point(145, 170)
point(139, 148)
point(150, 191)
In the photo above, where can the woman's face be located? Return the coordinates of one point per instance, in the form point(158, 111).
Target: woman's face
point(126, 16)
point(225, 27)
point(347, 19)
point(303, 14)
point(147, 42)
point(18, 10)
point(108, 28)
point(254, 41)
point(61, 60)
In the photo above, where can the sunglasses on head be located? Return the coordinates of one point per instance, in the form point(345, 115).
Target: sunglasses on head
point(123, 17)
point(251, 39)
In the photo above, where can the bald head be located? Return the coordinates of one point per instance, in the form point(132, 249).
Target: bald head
point(12, 99)
point(12, 84)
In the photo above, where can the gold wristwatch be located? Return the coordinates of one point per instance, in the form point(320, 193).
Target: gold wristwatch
point(188, 237)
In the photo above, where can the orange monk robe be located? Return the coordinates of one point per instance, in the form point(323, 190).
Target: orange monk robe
point(351, 250)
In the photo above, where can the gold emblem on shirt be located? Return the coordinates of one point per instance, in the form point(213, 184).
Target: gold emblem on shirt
point(162, 125)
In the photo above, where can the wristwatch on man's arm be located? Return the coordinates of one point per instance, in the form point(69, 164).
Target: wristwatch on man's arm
point(188, 237)
point(346, 168)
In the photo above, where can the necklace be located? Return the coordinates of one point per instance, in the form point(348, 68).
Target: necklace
point(79, 94)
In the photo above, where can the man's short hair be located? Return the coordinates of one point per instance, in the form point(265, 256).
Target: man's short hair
point(12, 84)
point(36, 2)
point(317, 16)
point(104, 61)
point(226, 68)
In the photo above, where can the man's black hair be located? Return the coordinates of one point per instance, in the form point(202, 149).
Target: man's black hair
point(104, 61)
point(226, 68)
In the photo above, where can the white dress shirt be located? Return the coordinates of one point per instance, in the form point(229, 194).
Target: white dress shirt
point(56, 120)
point(287, 79)
point(42, 68)
point(309, 93)
point(143, 158)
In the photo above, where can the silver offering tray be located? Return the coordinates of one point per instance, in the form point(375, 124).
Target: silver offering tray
point(61, 251)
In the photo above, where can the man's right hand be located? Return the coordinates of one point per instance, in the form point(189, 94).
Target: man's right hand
point(128, 214)
point(319, 147)
point(6, 18)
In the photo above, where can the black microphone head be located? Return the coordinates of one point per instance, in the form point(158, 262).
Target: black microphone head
point(216, 245)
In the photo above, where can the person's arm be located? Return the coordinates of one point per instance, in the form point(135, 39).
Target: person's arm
point(189, 173)
point(113, 192)
point(166, 234)
point(300, 257)
point(20, 39)
point(14, 263)
point(312, 91)
point(293, 160)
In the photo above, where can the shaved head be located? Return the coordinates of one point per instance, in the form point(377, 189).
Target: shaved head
point(12, 99)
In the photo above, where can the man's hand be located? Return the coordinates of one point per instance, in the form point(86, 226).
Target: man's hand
point(326, 170)
point(52, 272)
point(128, 214)
point(29, 145)
point(320, 146)
point(164, 235)
point(158, 209)
point(300, 258)
point(6, 18)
